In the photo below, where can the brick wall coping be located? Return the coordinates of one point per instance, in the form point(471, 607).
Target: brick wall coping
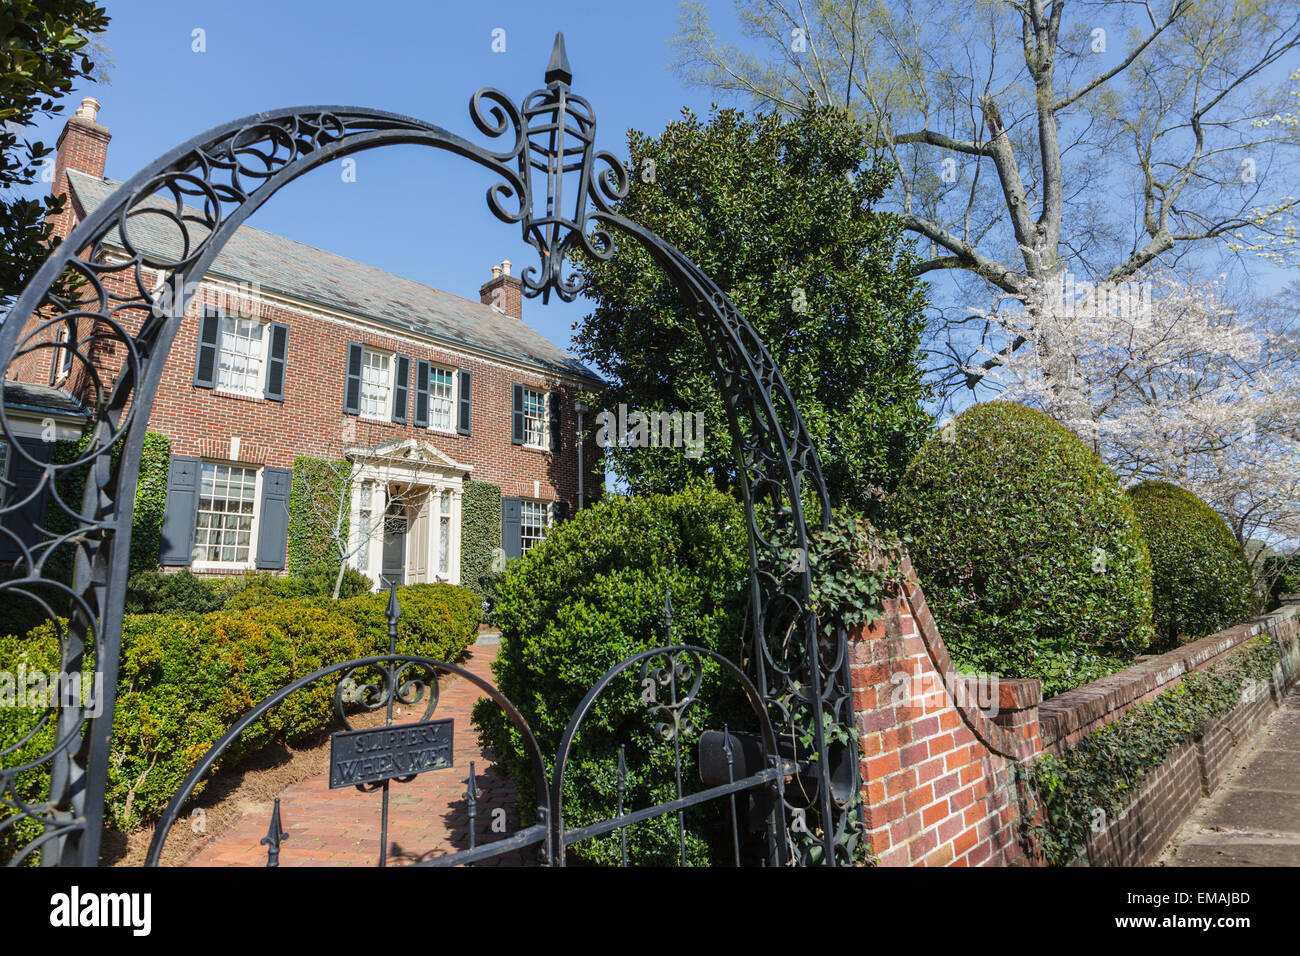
point(1017, 695)
point(1086, 708)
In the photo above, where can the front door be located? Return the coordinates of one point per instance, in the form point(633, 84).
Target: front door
point(394, 565)
point(417, 540)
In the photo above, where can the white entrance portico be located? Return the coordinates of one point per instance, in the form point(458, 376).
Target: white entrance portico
point(406, 513)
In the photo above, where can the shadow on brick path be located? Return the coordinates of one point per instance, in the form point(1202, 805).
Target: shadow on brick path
point(427, 816)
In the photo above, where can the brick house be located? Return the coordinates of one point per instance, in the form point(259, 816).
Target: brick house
point(287, 352)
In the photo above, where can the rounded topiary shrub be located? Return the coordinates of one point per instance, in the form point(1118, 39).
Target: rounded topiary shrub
point(1028, 551)
point(590, 595)
point(1201, 582)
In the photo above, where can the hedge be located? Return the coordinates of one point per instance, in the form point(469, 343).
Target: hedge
point(185, 678)
point(1032, 560)
point(590, 595)
point(480, 534)
point(1201, 581)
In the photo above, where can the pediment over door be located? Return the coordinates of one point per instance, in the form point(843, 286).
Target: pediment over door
point(409, 453)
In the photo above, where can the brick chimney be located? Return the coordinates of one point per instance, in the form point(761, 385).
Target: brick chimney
point(83, 146)
point(504, 291)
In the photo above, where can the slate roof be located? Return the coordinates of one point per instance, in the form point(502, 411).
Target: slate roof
point(41, 398)
point(303, 272)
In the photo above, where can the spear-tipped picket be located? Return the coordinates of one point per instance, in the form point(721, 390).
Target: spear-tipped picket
point(274, 835)
point(471, 801)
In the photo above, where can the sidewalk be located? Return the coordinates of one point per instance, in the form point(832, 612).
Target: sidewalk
point(427, 816)
point(1253, 819)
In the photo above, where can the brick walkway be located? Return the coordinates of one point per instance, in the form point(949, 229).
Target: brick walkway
point(1253, 819)
point(426, 817)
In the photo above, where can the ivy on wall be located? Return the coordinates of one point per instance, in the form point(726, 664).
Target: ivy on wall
point(1091, 782)
point(314, 497)
point(150, 500)
point(480, 533)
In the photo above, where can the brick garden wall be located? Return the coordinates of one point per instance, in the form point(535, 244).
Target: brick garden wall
point(939, 752)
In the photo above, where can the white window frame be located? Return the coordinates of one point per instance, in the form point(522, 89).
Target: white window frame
point(254, 389)
point(544, 441)
point(529, 541)
point(452, 401)
point(386, 412)
point(250, 562)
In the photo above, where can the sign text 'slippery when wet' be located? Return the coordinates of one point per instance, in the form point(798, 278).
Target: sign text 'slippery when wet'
point(382, 753)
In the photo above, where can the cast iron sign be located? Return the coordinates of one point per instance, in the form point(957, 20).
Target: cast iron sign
point(384, 753)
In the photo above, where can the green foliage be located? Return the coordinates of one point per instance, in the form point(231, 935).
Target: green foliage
point(150, 499)
point(146, 524)
point(185, 678)
point(257, 587)
point(318, 515)
point(184, 592)
point(590, 595)
point(1201, 581)
point(1105, 770)
point(1281, 573)
point(43, 46)
point(780, 215)
point(1030, 555)
point(480, 536)
point(438, 620)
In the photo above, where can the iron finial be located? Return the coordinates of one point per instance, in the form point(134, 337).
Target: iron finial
point(558, 69)
point(274, 834)
point(394, 609)
point(668, 611)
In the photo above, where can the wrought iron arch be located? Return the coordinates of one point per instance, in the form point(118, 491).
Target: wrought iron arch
point(547, 184)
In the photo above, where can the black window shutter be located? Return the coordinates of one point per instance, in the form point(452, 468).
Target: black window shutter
point(561, 511)
point(352, 386)
point(517, 416)
point(510, 526)
point(463, 406)
point(553, 400)
point(421, 393)
point(277, 354)
point(273, 519)
point(205, 360)
point(401, 389)
point(23, 476)
point(181, 508)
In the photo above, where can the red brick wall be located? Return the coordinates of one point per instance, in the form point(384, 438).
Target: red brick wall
point(938, 773)
point(939, 753)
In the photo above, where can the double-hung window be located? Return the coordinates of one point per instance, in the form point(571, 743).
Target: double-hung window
point(223, 532)
point(442, 398)
point(241, 355)
point(534, 516)
point(534, 418)
point(376, 384)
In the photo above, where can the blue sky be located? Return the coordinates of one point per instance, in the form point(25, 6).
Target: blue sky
point(413, 211)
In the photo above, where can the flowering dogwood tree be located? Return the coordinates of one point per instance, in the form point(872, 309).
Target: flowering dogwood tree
point(1165, 380)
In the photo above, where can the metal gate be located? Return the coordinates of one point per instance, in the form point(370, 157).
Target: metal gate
point(548, 184)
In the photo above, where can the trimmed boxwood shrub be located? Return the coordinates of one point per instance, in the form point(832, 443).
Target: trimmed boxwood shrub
point(184, 678)
point(1030, 555)
point(1201, 581)
point(590, 595)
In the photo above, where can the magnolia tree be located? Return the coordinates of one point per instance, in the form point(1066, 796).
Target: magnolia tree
point(1166, 381)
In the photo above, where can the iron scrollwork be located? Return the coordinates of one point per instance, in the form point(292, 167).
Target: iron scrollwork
point(130, 300)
